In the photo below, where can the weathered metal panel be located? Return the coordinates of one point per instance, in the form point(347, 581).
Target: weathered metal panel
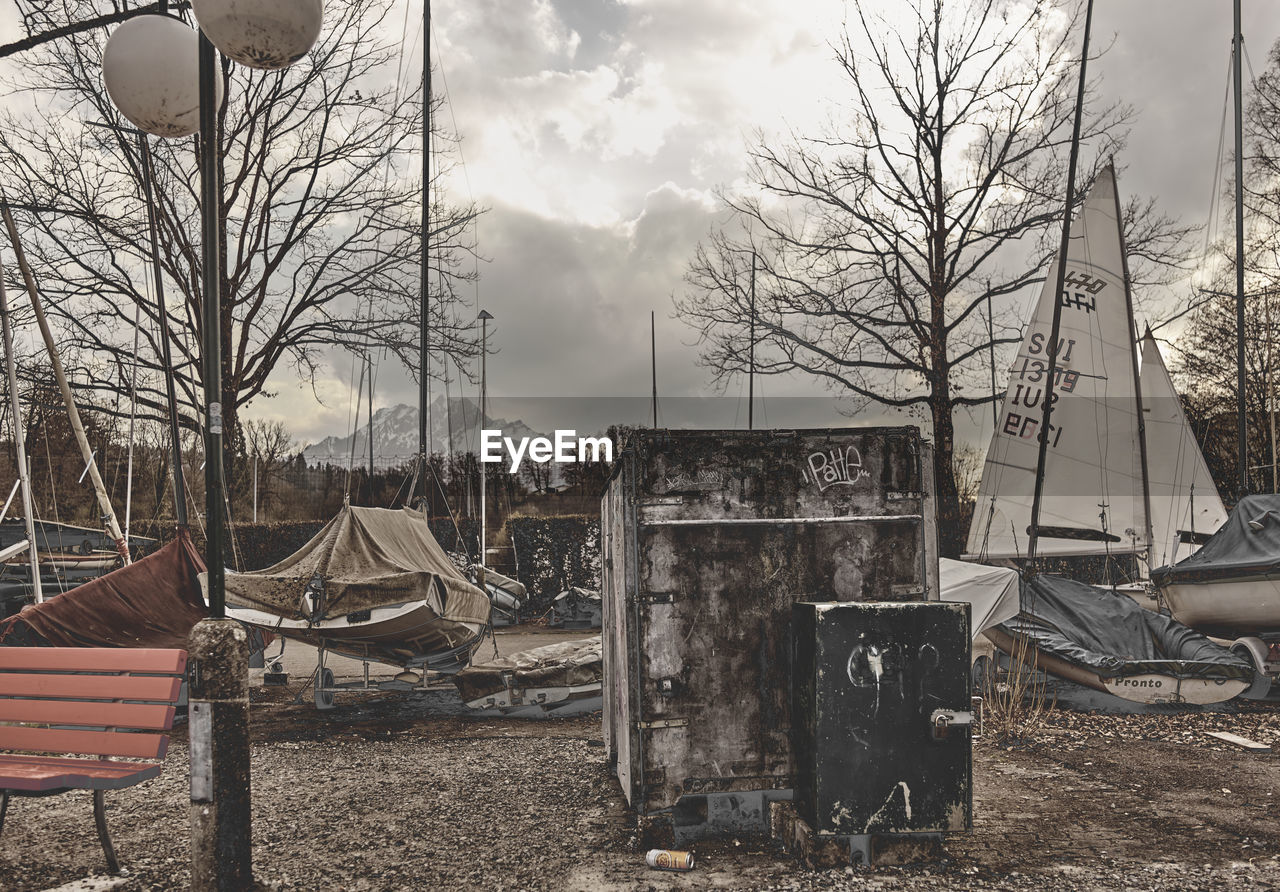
point(714, 536)
point(869, 681)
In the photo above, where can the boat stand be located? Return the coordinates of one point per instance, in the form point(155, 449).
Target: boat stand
point(325, 686)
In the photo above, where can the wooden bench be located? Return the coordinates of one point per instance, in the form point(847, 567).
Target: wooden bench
point(71, 718)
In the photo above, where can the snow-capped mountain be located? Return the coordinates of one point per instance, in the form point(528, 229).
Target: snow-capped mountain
point(395, 434)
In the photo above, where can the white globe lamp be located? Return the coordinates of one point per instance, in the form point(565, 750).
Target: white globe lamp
point(261, 33)
point(152, 74)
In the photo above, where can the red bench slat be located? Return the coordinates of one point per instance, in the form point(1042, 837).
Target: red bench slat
point(37, 773)
point(101, 687)
point(94, 659)
point(143, 716)
point(97, 743)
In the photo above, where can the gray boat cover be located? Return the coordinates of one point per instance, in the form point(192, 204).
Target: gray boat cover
point(365, 557)
point(551, 666)
point(990, 592)
point(1108, 633)
point(1247, 545)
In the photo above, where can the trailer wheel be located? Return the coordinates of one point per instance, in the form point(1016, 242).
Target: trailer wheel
point(324, 679)
point(980, 674)
point(1255, 656)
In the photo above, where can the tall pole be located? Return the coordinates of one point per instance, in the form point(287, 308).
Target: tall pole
point(653, 364)
point(175, 438)
point(751, 352)
point(73, 414)
point(1237, 49)
point(1271, 397)
point(24, 477)
point(218, 714)
point(1055, 328)
point(991, 343)
point(211, 267)
point(424, 391)
point(484, 385)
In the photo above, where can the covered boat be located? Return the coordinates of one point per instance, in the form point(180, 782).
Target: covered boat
point(555, 679)
point(1231, 586)
point(153, 602)
point(373, 584)
point(1105, 641)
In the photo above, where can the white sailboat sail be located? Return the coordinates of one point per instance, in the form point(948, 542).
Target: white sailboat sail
point(1185, 506)
point(1092, 498)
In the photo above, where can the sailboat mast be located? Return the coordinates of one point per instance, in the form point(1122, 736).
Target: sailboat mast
point(1237, 48)
point(1050, 382)
point(424, 394)
point(23, 477)
point(1137, 389)
point(751, 352)
point(73, 415)
point(653, 364)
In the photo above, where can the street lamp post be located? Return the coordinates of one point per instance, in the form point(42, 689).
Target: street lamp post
point(262, 34)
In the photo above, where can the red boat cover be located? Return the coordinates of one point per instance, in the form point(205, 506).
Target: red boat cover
point(154, 602)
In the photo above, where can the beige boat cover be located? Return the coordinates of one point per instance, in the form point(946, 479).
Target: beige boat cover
point(550, 666)
point(366, 557)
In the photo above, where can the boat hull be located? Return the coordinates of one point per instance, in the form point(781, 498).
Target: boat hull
point(1227, 607)
point(411, 635)
point(1151, 688)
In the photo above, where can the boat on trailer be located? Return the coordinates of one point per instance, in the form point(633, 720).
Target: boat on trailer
point(373, 584)
point(1104, 491)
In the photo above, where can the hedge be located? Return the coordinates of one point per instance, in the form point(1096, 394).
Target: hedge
point(555, 553)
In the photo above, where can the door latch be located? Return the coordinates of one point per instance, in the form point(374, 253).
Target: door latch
point(943, 720)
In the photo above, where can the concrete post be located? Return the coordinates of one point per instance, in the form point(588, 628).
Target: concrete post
point(218, 722)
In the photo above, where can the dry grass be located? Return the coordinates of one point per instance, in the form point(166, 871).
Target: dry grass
point(1015, 701)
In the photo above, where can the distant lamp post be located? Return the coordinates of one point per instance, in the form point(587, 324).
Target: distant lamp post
point(151, 73)
point(261, 33)
point(484, 318)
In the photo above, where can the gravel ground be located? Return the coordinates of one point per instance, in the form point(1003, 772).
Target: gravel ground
point(388, 792)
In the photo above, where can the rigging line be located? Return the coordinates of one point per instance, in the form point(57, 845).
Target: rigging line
point(354, 427)
point(1211, 221)
point(350, 430)
point(462, 158)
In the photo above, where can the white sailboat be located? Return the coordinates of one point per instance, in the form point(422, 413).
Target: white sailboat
point(1104, 491)
point(1094, 499)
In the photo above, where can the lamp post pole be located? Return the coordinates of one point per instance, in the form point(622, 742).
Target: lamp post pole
point(218, 715)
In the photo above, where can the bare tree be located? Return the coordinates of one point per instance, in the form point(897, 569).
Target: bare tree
point(320, 217)
point(878, 244)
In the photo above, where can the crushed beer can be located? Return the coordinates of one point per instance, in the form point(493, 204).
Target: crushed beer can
point(664, 859)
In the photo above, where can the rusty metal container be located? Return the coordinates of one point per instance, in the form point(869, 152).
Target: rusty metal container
point(708, 538)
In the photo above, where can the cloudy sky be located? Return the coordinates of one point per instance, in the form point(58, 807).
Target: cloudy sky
point(596, 132)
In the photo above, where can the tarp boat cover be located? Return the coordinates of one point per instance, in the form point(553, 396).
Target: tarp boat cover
point(153, 602)
point(1110, 635)
point(365, 557)
point(568, 664)
point(1247, 545)
point(992, 593)
point(372, 583)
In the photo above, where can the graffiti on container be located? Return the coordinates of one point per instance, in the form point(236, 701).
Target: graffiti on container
point(684, 482)
point(837, 467)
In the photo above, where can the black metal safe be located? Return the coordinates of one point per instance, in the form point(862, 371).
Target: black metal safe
point(880, 717)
